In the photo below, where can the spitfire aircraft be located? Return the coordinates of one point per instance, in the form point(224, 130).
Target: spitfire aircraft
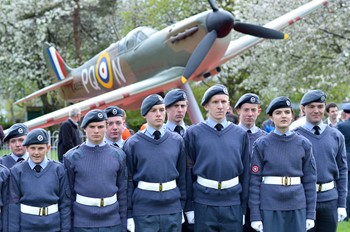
point(148, 61)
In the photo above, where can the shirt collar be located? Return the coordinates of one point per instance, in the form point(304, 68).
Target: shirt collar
point(254, 129)
point(171, 125)
point(279, 133)
point(25, 156)
point(90, 144)
point(120, 142)
point(310, 127)
point(43, 163)
point(210, 122)
point(150, 130)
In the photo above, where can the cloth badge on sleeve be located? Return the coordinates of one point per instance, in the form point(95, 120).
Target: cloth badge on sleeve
point(255, 168)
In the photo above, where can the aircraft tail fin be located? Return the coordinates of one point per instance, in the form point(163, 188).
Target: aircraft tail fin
point(58, 69)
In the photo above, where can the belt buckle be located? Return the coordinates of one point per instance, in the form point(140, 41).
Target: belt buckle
point(286, 181)
point(219, 185)
point(43, 211)
point(319, 189)
point(161, 187)
point(102, 202)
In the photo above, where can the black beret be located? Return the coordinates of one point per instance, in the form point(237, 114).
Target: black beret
point(346, 108)
point(313, 96)
point(36, 136)
point(248, 98)
point(114, 111)
point(93, 116)
point(16, 130)
point(149, 102)
point(278, 102)
point(174, 96)
point(214, 90)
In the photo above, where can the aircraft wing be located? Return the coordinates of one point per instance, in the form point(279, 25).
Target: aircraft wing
point(122, 97)
point(47, 89)
point(238, 46)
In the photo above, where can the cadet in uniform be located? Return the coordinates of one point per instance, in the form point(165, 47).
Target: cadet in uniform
point(98, 179)
point(157, 166)
point(115, 126)
point(39, 190)
point(282, 191)
point(4, 199)
point(344, 128)
point(330, 155)
point(218, 165)
point(248, 110)
point(176, 107)
point(15, 137)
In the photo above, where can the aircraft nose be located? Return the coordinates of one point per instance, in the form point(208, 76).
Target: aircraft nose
point(221, 21)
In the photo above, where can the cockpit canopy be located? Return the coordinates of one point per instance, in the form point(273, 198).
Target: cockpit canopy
point(135, 37)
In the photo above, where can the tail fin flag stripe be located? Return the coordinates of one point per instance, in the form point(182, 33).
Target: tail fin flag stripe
point(57, 63)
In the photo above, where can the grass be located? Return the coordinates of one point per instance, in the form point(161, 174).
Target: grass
point(344, 227)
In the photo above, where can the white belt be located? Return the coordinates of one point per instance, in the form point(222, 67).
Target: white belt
point(100, 202)
point(217, 184)
point(40, 211)
point(279, 180)
point(158, 187)
point(324, 187)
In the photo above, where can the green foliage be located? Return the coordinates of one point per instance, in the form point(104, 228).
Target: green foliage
point(316, 55)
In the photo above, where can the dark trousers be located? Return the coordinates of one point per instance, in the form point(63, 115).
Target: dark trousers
point(98, 229)
point(217, 218)
point(246, 226)
point(348, 199)
point(158, 223)
point(286, 221)
point(186, 227)
point(326, 217)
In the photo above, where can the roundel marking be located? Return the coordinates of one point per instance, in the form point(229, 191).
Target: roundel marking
point(103, 70)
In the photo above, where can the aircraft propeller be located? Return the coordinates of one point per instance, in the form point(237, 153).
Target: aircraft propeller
point(219, 24)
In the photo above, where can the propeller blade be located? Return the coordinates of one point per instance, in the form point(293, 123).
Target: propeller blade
point(199, 54)
point(259, 31)
point(213, 5)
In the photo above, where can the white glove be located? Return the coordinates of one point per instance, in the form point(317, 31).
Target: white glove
point(310, 224)
point(182, 217)
point(243, 220)
point(341, 214)
point(190, 217)
point(257, 225)
point(130, 225)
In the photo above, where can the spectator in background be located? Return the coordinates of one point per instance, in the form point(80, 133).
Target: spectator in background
point(69, 135)
point(268, 125)
point(2, 135)
point(231, 117)
point(332, 112)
